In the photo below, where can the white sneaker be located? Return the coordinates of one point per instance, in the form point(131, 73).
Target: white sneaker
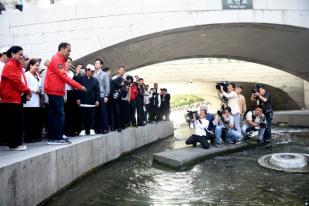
point(19, 148)
point(65, 137)
point(82, 133)
point(92, 132)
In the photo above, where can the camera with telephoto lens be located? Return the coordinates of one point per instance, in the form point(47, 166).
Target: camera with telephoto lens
point(220, 114)
point(116, 94)
point(263, 123)
point(190, 114)
point(256, 88)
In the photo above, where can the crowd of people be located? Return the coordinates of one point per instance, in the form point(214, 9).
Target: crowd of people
point(225, 126)
point(62, 100)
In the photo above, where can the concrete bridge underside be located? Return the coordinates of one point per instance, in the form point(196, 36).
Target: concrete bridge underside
point(280, 46)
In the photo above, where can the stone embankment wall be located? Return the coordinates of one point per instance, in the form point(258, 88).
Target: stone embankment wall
point(28, 178)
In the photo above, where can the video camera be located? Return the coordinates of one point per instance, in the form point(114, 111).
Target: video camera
point(218, 87)
point(223, 84)
point(189, 116)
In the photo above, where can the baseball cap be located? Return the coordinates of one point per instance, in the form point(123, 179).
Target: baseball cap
point(90, 67)
point(203, 107)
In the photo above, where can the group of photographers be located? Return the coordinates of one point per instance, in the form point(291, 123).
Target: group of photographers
point(225, 126)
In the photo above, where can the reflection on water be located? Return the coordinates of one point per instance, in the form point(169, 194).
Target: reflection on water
point(234, 179)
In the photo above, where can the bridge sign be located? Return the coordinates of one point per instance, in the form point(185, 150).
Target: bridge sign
point(237, 4)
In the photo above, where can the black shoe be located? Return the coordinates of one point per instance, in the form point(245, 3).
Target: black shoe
point(267, 141)
point(29, 141)
point(260, 141)
point(246, 138)
point(119, 130)
point(194, 145)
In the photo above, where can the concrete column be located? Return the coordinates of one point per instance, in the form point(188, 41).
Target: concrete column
point(306, 94)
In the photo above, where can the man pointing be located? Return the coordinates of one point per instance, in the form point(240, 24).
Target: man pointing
point(54, 87)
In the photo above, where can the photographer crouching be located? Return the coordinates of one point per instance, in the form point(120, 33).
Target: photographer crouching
point(254, 121)
point(225, 128)
point(261, 96)
point(200, 124)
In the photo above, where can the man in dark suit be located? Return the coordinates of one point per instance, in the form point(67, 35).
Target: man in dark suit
point(165, 105)
point(117, 89)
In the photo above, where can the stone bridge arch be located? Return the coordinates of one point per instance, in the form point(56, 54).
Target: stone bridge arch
point(280, 46)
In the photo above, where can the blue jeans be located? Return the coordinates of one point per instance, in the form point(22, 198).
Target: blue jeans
point(237, 122)
point(55, 117)
point(231, 134)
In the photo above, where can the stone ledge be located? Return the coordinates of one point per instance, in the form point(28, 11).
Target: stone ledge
point(181, 158)
point(29, 177)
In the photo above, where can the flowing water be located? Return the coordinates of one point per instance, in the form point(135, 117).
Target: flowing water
point(234, 179)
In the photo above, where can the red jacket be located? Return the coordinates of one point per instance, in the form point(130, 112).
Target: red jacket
point(12, 86)
point(56, 77)
point(133, 92)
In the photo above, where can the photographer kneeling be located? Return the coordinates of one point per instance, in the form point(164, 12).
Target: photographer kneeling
point(225, 128)
point(254, 121)
point(200, 123)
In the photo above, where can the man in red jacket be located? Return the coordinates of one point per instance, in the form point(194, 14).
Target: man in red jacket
point(54, 87)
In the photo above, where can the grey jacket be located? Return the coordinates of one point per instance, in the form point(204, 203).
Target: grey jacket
point(103, 79)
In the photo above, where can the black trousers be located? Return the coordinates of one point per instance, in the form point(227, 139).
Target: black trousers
point(140, 111)
point(114, 111)
point(87, 118)
point(32, 124)
point(44, 113)
point(12, 124)
point(72, 119)
point(166, 114)
point(194, 139)
point(154, 113)
point(124, 114)
point(2, 141)
point(132, 112)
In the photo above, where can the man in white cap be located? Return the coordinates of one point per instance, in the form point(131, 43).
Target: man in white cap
point(88, 101)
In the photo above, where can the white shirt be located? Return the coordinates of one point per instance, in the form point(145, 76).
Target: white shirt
point(71, 75)
point(43, 74)
point(249, 115)
point(146, 97)
point(34, 85)
point(233, 101)
point(200, 127)
point(1, 68)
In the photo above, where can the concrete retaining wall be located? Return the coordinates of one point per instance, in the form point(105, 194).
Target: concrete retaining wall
point(298, 118)
point(30, 177)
